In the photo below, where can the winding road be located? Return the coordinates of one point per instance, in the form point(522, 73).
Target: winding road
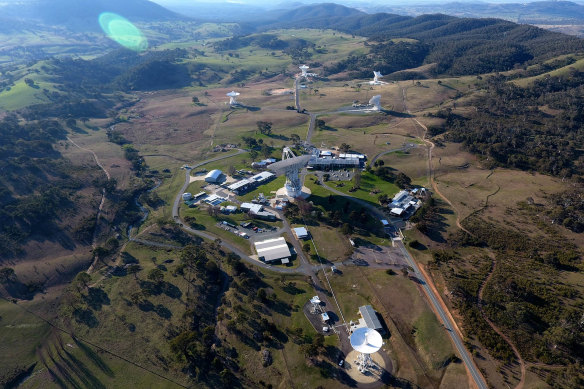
point(438, 305)
point(307, 269)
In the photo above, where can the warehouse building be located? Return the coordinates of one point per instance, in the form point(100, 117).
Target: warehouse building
point(273, 249)
point(214, 176)
point(369, 318)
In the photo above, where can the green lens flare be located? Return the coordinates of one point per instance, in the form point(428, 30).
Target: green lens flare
point(122, 31)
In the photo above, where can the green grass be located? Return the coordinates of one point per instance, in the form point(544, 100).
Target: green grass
point(432, 340)
point(209, 224)
point(266, 189)
point(21, 334)
point(369, 182)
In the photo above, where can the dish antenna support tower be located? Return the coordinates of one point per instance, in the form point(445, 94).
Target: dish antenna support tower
point(232, 98)
point(376, 78)
point(375, 103)
point(304, 68)
point(290, 165)
point(365, 341)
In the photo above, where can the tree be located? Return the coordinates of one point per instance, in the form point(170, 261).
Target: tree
point(136, 298)
point(7, 275)
point(345, 147)
point(134, 269)
point(261, 294)
point(83, 279)
point(404, 271)
point(231, 170)
point(195, 99)
point(264, 128)
point(306, 247)
point(346, 229)
point(402, 181)
point(253, 154)
point(295, 139)
point(156, 275)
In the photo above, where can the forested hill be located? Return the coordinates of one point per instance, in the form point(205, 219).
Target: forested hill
point(458, 46)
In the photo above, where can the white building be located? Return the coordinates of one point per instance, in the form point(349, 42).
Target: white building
point(187, 196)
point(273, 249)
point(213, 176)
point(300, 232)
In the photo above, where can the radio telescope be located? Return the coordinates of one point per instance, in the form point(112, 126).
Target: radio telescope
point(376, 78)
point(290, 165)
point(365, 341)
point(232, 95)
point(304, 68)
point(375, 103)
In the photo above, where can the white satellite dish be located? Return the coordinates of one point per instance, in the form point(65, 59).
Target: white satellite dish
point(304, 68)
point(290, 165)
point(366, 340)
point(376, 78)
point(315, 300)
point(375, 102)
point(232, 97)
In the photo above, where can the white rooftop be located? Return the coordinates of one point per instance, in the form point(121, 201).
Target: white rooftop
point(301, 232)
point(273, 249)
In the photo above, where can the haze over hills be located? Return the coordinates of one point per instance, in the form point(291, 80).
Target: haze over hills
point(82, 15)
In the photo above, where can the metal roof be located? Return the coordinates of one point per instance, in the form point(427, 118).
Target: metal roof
point(301, 232)
point(214, 174)
point(239, 184)
point(273, 249)
point(370, 317)
point(290, 163)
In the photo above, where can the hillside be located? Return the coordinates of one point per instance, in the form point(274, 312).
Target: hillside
point(458, 46)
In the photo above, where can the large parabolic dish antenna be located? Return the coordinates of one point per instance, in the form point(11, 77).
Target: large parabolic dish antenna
point(232, 97)
point(375, 102)
point(366, 340)
point(290, 165)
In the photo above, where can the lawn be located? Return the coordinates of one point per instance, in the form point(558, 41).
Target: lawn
point(369, 182)
point(208, 223)
point(266, 189)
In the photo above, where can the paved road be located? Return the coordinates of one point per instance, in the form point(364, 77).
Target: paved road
point(311, 125)
point(308, 269)
point(434, 300)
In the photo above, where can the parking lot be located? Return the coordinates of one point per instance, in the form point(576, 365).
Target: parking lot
point(376, 256)
point(337, 175)
point(248, 230)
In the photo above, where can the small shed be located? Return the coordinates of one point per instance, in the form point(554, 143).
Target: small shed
point(300, 232)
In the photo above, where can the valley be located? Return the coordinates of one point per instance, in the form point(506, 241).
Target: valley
point(481, 287)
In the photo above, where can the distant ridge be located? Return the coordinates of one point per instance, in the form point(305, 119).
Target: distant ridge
point(323, 10)
point(83, 14)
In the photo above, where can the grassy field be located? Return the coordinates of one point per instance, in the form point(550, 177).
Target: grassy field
point(208, 223)
point(268, 189)
point(369, 183)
